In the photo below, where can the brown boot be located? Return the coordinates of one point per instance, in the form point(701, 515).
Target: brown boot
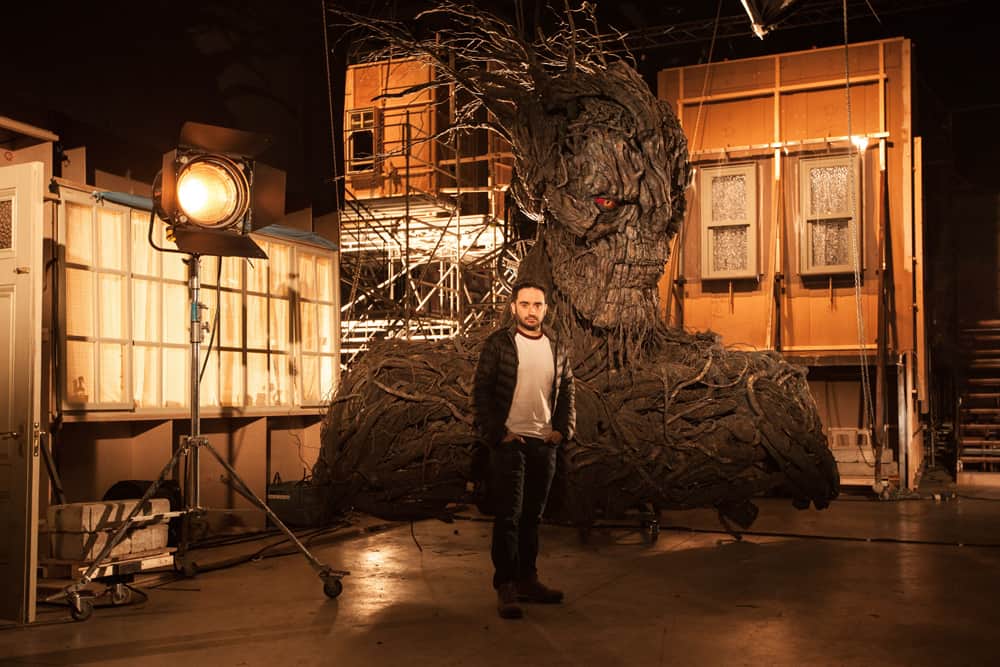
point(532, 590)
point(507, 605)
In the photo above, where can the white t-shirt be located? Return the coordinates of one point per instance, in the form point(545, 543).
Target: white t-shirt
point(531, 410)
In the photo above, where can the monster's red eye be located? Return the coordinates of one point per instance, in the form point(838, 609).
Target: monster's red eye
point(606, 204)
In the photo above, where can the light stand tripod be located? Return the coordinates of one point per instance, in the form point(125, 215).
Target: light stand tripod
point(81, 607)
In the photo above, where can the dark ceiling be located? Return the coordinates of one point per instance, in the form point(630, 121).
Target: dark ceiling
point(121, 77)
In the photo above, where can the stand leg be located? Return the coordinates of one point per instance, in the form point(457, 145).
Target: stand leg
point(325, 571)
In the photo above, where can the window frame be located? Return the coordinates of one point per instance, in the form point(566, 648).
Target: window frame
point(94, 270)
point(304, 301)
point(159, 278)
point(358, 123)
point(806, 265)
point(752, 221)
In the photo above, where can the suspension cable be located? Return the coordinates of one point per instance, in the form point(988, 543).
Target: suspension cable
point(708, 71)
point(853, 231)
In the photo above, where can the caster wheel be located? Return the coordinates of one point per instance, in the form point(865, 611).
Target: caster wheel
point(652, 532)
point(80, 608)
point(120, 594)
point(333, 587)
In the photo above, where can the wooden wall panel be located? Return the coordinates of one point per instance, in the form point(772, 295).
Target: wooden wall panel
point(668, 86)
point(742, 322)
point(840, 402)
point(823, 113)
point(91, 457)
point(367, 81)
point(728, 76)
point(826, 64)
point(729, 123)
point(816, 322)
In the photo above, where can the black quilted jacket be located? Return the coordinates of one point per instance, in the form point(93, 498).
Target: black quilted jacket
point(496, 376)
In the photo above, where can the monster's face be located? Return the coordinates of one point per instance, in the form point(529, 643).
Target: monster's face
point(614, 211)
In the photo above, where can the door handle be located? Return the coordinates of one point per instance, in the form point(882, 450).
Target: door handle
point(8, 435)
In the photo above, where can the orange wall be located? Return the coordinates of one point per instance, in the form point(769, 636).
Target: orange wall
point(364, 84)
point(800, 99)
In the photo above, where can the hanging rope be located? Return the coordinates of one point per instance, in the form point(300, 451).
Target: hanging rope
point(865, 379)
point(704, 85)
point(677, 248)
point(329, 98)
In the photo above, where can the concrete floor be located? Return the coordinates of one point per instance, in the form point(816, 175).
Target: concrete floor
point(913, 582)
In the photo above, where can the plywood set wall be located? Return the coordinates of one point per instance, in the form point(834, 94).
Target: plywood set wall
point(787, 108)
point(484, 161)
point(379, 86)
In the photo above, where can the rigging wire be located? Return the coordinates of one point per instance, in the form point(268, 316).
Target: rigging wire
point(708, 72)
point(329, 98)
point(853, 231)
point(678, 245)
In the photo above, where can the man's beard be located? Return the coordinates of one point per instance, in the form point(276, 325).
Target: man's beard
point(536, 326)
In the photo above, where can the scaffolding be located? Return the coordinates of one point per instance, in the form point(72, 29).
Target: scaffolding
point(427, 248)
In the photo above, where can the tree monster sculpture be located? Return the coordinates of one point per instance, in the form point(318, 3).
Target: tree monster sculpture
point(665, 418)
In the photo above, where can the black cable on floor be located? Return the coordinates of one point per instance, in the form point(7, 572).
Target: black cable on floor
point(757, 533)
point(841, 538)
point(966, 497)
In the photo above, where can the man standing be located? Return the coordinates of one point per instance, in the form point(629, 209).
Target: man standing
point(525, 406)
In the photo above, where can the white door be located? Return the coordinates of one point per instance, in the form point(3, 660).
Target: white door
point(21, 192)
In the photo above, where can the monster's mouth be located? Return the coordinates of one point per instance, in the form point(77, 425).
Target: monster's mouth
point(637, 275)
point(632, 261)
point(613, 280)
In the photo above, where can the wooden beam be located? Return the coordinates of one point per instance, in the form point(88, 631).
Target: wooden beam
point(795, 143)
point(790, 88)
point(27, 130)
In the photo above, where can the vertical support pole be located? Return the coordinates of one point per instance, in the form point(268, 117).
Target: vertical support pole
point(408, 296)
point(779, 223)
point(194, 478)
point(919, 326)
point(903, 418)
point(458, 227)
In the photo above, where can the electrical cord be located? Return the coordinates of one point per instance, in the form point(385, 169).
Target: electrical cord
point(967, 497)
point(764, 533)
point(836, 538)
point(149, 236)
point(310, 537)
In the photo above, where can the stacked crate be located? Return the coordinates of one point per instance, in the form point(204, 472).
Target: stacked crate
point(79, 531)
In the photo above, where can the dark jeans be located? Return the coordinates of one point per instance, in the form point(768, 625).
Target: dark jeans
point(522, 475)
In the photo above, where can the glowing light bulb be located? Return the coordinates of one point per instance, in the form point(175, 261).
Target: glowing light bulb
point(210, 193)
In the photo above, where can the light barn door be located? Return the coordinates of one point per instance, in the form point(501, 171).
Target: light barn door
point(20, 373)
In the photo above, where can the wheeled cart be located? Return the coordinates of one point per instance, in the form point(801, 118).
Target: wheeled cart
point(110, 579)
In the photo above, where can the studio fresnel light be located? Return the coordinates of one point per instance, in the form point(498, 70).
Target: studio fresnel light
point(212, 192)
